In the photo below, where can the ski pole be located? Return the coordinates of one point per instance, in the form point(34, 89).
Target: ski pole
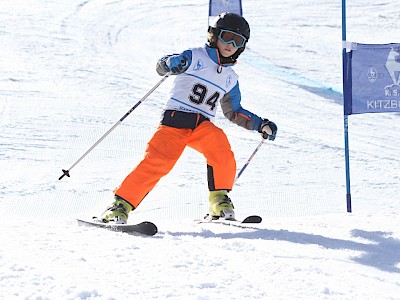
point(66, 172)
point(250, 158)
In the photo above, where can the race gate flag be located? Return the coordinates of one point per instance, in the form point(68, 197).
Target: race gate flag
point(372, 78)
point(219, 6)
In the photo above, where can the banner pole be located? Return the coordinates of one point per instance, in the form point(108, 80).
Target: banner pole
point(346, 123)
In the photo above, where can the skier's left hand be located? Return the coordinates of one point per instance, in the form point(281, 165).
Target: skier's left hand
point(268, 129)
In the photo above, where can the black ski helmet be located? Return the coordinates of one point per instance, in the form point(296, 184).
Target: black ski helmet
point(230, 21)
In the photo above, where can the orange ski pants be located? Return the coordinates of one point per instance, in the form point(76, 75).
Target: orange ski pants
point(165, 148)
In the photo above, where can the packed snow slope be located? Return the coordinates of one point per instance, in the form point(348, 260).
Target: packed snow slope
point(69, 70)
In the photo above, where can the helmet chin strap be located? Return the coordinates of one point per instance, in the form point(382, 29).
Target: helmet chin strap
point(219, 68)
point(224, 60)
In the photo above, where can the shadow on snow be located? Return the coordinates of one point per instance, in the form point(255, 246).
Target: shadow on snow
point(382, 253)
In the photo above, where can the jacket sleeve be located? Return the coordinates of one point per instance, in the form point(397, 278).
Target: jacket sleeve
point(232, 109)
point(161, 62)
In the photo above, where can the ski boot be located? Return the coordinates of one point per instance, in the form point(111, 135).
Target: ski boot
point(220, 205)
point(117, 212)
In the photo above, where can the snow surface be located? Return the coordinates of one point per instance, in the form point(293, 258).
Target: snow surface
point(70, 69)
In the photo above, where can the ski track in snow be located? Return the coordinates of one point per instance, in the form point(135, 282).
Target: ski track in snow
point(69, 70)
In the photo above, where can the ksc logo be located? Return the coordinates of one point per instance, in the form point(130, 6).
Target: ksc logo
point(198, 65)
point(373, 74)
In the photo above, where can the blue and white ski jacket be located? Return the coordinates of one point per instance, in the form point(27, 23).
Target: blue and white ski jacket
point(205, 83)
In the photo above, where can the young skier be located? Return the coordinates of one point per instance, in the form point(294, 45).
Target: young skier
point(204, 77)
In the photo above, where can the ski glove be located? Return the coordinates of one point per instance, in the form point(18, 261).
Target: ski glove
point(176, 64)
point(268, 129)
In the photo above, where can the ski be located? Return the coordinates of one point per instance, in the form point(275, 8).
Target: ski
point(145, 228)
point(248, 220)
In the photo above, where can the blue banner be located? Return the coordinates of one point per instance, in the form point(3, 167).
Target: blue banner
point(372, 79)
point(219, 6)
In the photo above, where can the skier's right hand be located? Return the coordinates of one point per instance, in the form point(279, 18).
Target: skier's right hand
point(175, 64)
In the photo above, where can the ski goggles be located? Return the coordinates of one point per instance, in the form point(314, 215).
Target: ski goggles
point(228, 36)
